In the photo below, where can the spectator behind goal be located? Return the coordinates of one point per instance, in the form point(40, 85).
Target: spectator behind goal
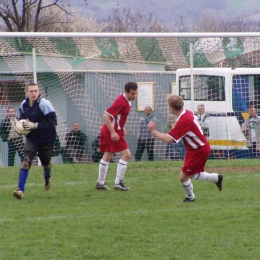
point(202, 116)
point(251, 130)
point(9, 135)
point(75, 144)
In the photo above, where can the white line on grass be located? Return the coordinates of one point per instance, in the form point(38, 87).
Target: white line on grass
point(125, 213)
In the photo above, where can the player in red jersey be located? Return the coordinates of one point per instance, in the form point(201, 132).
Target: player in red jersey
point(188, 129)
point(112, 138)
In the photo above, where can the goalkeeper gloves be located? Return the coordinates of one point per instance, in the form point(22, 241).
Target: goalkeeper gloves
point(30, 125)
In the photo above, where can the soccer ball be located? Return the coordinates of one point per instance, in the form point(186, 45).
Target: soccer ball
point(19, 128)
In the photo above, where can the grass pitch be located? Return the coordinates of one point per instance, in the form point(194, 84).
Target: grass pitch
point(74, 221)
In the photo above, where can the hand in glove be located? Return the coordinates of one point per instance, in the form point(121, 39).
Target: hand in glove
point(29, 125)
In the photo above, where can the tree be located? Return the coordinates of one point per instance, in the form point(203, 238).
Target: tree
point(125, 20)
point(211, 21)
point(181, 24)
point(52, 20)
point(31, 15)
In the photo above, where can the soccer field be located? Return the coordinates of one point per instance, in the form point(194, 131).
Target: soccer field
point(74, 221)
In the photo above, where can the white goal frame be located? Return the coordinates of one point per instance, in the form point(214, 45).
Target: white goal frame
point(42, 36)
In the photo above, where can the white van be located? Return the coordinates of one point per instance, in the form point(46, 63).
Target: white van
point(226, 94)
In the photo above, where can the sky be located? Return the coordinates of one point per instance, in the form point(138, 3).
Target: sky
point(166, 10)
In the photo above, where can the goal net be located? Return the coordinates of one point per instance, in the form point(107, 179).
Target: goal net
point(82, 76)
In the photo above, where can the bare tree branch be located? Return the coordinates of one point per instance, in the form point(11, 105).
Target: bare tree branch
point(126, 20)
point(26, 15)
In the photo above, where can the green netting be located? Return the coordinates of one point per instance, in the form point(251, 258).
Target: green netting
point(233, 47)
point(150, 49)
point(108, 48)
point(66, 46)
point(20, 44)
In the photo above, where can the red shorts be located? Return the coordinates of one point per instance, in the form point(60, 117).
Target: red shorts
point(195, 160)
point(108, 145)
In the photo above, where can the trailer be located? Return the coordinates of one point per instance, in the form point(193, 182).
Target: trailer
point(226, 94)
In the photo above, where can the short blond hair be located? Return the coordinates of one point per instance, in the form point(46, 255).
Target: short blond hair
point(175, 101)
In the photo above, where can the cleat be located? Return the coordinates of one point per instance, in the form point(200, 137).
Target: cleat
point(47, 184)
point(219, 182)
point(101, 187)
point(18, 193)
point(188, 199)
point(121, 186)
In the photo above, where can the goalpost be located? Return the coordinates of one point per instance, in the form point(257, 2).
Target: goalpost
point(82, 74)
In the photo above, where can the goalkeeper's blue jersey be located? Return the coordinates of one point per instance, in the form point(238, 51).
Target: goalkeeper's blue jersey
point(43, 113)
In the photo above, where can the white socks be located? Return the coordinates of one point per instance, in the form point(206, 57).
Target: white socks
point(103, 167)
point(121, 168)
point(206, 176)
point(188, 187)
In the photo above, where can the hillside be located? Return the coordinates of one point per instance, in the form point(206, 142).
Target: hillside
point(166, 10)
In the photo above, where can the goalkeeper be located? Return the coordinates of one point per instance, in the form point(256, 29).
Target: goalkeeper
point(42, 121)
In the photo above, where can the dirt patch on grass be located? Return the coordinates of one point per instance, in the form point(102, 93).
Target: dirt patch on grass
point(233, 169)
point(225, 169)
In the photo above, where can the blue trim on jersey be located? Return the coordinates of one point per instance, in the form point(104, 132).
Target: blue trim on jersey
point(43, 113)
point(45, 106)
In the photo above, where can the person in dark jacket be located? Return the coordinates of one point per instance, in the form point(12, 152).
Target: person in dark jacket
point(41, 121)
point(75, 143)
point(97, 155)
point(9, 135)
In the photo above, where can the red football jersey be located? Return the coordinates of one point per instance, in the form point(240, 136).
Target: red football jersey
point(188, 129)
point(119, 111)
